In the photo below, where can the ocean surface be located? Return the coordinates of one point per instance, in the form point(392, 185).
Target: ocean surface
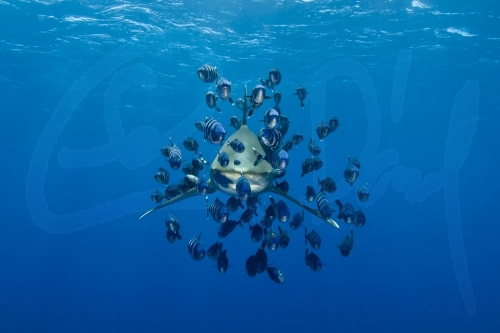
point(91, 90)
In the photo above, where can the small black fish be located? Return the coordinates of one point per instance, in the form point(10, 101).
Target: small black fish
point(297, 138)
point(211, 101)
point(240, 104)
point(257, 97)
point(276, 274)
point(275, 76)
point(359, 218)
point(224, 90)
point(314, 148)
point(252, 201)
point(201, 186)
point(288, 145)
point(190, 169)
point(266, 222)
point(174, 155)
point(237, 145)
point(172, 224)
point(171, 191)
point(162, 176)
point(310, 194)
point(272, 240)
point(346, 212)
point(191, 145)
point(235, 122)
point(283, 124)
point(284, 238)
point(363, 193)
point(214, 132)
point(333, 123)
point(277, 97)
point(307, 166)
point(236, 162)
point(313, 238)
point(297, 220)
point(281, 209)
point(324, 207)
point(233, 203)
point(327, 185)
point(279, 173)
point(196, 248)
point(222, 262)
point(227, 227)
point(283, 186)
point(346, 245)
point(256, 232)
point(351, 172)
point(271, 118)
point(313, 261)
point(323, 130)
point(248, 214)
point(200, 126)
point(157, 197)
point(214, 250)
point(223, 159)
point(317, 163)
point(301, 94)
point(270, 212)
point(207, 73)
point(217, 210)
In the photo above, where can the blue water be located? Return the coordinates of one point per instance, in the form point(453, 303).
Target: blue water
point(90, 92)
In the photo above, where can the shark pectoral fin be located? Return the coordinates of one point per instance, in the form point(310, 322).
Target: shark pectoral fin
point(332, 222)
point(191, 193)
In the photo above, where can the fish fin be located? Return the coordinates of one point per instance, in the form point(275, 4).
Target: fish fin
point(240, 204)
point(206, 198)
point(250, 113)
point(305, 231)
point(307, 252)
point(178, 235)
point(302, 104)
point(218, 109)
point(279, 229)
point(262, 81)
point(267, 97)
point(230, 100)
point(294, 93)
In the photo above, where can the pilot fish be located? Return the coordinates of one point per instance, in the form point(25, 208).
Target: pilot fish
point(162, 176)
point(235, 122)
point(243, 188)
point(347, 244)
point(277, 159)
point(227, 227)
point(333, 124)
point(211, 101)
point(313, 261)
point(271, 118)
point(223, 159)
point(322, 130)
point(237, 146)
point(301, 94)
point(257, 97)
point(363, 193)
point(213, 131)
point(272, 240)
point(191, 145)
point(174, 155)
point(270, 137)
point(281, 209)
point(276, 274)
point(196, 248)
point(222, 262)
point(284, 238)
point(314, 148)
point(217, 210)
point(313, 238)
point(346, 211)
point(324, 207)
point(207, 73)
point(224, 90)
point(327, 185)
point(297, 220)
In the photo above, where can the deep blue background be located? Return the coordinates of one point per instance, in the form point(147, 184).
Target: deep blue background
point(115, 272)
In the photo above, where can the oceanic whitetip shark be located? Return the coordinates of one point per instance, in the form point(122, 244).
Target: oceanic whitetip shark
point(260, 176)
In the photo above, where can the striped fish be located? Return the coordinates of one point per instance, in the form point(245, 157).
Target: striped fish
point(201, 186)
point(213, 131)
point(237, 146)
point(347, 244)
point(277, 159)
point(324, 207)
point(346, 211)
point(207, 73)
point(174, 155)
point(218, 211)
point(224, 90)
point(281, 209)
point(270, 137)
point(211, 101)
point(323, 130)
point(314, 148)
point(243, 188)
point(313, 238)
point(327, 185)
point(271, 118)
